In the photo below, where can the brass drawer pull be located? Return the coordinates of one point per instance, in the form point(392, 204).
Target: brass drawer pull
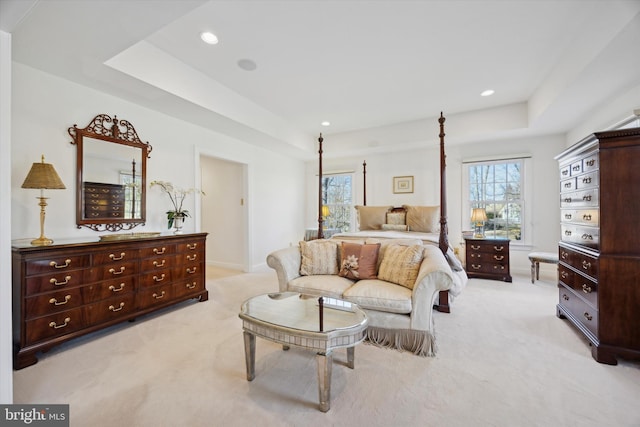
point(157, 264)
point(586, 265)
point(191, 285)
point(587, 237)
point(567, 199)
point(476, 255)
point(576, 168)
point(588, 316)
point(498, 267)
point(498, 258)
point(159, 279)
point(568, 216)
point(590, 162)
point(586, 289)
point(476, 267)
point(586, 180)
point(54, 264)
point(114, 258)
point(567, 232)
point(55, 301)
point(114, 289)
point(190, 258)
point(564, 255)
point(567, 185)
point(159, 251)
point(565, 297)
point(586, 217)
point(54, 325)
point(498, 248)
point(115, 273)
point(55, 282)
point(586, 198)
point(475, 248)
point(564, 274)
point(156, 296)
point(191, 271)
point(112, 308)
point(192, 246)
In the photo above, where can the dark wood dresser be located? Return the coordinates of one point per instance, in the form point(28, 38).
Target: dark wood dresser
point(599, 252)
point(488, 259)
point(69, 289)
point(103, 201)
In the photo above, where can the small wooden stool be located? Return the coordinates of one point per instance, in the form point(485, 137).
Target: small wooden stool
point(536, 258)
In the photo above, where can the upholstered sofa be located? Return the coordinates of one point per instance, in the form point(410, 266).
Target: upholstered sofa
point(395, 284)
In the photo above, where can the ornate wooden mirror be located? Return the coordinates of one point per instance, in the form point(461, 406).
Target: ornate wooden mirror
point(111, 174)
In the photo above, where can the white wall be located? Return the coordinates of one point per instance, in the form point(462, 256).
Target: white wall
point(44, 106)
point(424, 165)
point(6, 347)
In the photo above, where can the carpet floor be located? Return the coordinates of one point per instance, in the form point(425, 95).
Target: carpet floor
point(504, 359)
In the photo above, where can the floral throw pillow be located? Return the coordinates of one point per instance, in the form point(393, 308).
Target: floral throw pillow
point(359, 260)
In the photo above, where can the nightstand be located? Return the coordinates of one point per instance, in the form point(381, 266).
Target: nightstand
point(488, 259)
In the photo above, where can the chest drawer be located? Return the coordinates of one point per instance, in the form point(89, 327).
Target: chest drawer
point(110, 309)
point(155, 278)
point(580, 234)
point(114, 270)
point(589, 217)
point(155, 296)
point(580, 309)
point(52, 302)
point(108, 288)
point(586, 287)
point(157, 263)
point(579, 199)
point(115, 255)
point(579, 261)
point(54, 325)
point(159, 249)
point(57, 265)
point(55, 281)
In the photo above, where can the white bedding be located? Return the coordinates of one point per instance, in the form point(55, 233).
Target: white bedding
point(459, 274)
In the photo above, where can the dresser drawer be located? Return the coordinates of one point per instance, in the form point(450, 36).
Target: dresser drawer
point(115, 255)
point(191, 246)
point(580, 199)
point(159, 249)
point(108, 289)
point(580, 309)
point(155, 278)
point(185, 288)
point(590, 217)
point(155, 296)
point(115, 270)
point(588, 180)
point(488, 267)
point(55, 282)
point(580, 234)
point(586, 287)
point(52, 302)
point(568, 185)
point(580, 261)
point(157, 263)
point(187, 271)
point(57, 264)
point(590, 162)
point(488, 247)
point(576, 167)
point(110, 309)
point(54, 325)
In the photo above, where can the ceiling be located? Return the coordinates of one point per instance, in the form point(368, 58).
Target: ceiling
point(380, 71)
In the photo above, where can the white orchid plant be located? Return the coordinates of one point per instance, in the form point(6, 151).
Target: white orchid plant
point(177, 196)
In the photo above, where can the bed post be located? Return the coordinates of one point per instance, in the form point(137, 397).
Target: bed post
point(443, 241)
point(364, 183)
point(320, 219)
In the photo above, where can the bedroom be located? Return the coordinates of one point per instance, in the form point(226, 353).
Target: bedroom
point(44, 105)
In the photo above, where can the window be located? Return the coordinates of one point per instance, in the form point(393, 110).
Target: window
point(132, 194)
point(337, 195)
point(498, 187)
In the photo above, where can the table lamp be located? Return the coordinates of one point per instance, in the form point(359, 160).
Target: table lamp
point(478, 218)
point(43, 176)
point(325, 214)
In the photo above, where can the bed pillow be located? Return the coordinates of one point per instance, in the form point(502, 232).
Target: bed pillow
point(318, 257)
point(372, 217)
point(359, 261)
point(401, 264)
point(424, 219)
point(397, 218)
point(395, 227)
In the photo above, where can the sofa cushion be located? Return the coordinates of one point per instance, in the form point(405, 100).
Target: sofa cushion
point(401, 264)
point(359, 261)
point(379, 295)
point(385, 243)
point(424, 219)
point(372, 217)
point(321, 285)
point(318, 257)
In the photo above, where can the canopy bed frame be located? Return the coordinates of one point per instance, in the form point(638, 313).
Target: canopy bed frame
point(443, 240)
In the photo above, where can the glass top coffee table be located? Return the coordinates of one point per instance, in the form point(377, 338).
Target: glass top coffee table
point(293, 319)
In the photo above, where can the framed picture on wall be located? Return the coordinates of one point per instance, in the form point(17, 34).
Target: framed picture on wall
point(402, 184)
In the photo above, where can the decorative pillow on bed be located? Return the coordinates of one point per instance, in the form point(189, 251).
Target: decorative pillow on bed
point(424, 219)
point(318, 257)
point(397, 218)
point(395, 227)
point(401, 264)
point(359, 261)
point(372, 217)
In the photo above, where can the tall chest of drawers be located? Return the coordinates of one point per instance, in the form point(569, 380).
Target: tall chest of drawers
point(599, 251)
point(69, 289)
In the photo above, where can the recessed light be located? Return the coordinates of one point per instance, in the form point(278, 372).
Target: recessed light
point(247, 64)
point(326, 123)
point(209, 38)
point(488, 92)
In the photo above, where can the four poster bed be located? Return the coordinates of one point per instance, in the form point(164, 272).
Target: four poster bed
point(406, 222)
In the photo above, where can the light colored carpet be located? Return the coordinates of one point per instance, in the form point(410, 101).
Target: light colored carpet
point(504, 359)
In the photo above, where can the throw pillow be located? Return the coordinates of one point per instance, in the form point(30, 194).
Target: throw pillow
point(397, 218)
point(425, 219)
point(318, 257)
point(394, 227)
point(372, 217)
point(401, 264)
point(359, 261)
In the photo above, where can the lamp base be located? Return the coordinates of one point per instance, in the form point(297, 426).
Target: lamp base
point(42, 241)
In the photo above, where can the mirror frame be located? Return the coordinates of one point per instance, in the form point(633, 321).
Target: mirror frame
point(116, 131)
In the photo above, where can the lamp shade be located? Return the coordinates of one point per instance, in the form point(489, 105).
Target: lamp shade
point(43, 176)
point(478, 215)
point(325, 211)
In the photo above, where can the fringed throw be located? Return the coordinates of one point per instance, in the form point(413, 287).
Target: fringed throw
point(421, 343)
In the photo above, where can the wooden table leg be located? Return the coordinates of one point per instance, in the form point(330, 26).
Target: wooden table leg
point(250, 355)
point(325, 363)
